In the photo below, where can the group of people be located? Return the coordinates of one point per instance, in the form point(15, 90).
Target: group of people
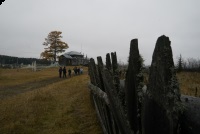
point(63, 71)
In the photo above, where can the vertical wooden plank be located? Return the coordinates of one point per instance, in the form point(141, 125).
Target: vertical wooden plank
point(95, 73)
point(96, 80)
point(114, 61)
point(99, 114)
point(100, 67)
point(106, 115)
point(92, 72)
point(162, 103)
point(108, 62)
point(115, 72)
point(115, 104)
point(133, 87)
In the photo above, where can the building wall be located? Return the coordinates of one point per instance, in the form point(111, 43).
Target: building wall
point(76, 61)
point(64, 61)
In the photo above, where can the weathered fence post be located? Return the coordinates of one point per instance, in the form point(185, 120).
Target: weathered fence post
point(34, 66)
point(100, 67)
point(115, 103)
point(115, 72)
point(108, 62)
point(190, 119)
point(132, 89)
point(98, 101)
point(162, 102)
point(93, 73)
point(127, 108)
point(106, 114)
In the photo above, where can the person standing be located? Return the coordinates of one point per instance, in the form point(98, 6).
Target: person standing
point(69, 72)
point(81, 70)
point(60, 72)
point(64, 72)
point(75, 70)
point(78, 70)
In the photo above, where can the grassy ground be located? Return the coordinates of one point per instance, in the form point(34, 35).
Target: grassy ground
point(40, 102)
point(40, 106)
point(189, 83)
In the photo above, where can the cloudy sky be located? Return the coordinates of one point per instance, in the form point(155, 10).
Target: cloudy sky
point(97, 27)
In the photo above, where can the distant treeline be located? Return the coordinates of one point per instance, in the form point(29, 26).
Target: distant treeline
point(190, 64)
point(5, 60)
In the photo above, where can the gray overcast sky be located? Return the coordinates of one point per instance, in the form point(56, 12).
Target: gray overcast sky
point(97, 27)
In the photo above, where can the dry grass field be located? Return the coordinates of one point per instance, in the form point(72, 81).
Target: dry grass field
point(40, 102)
point(189, 83)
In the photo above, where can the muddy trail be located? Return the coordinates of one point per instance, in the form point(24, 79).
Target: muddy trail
point(21, 88)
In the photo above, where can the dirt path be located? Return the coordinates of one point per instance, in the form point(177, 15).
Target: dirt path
point(14, 90)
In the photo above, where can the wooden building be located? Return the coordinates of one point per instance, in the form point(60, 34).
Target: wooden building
point(73, 58)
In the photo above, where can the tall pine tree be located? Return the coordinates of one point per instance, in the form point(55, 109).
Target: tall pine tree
point(180, 64)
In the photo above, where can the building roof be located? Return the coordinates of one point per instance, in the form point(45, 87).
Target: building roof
point(73, 53)
point(67, 56)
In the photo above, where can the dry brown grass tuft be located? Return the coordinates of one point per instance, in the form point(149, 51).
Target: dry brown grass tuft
point(189, 82)
point(60, 107)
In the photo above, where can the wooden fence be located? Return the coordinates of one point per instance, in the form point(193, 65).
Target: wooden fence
point(131, 107)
